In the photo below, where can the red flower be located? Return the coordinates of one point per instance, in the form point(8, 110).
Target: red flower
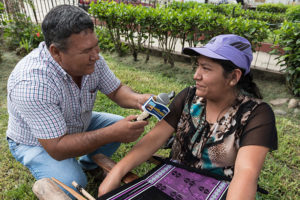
point(38, 34)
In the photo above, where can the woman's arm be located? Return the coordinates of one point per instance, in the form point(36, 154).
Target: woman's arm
point(248, 164)
point(125, 97)
point(143, 150)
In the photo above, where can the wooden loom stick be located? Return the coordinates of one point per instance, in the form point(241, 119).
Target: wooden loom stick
point(82, 191)
point(107, 164)
point(73, 192)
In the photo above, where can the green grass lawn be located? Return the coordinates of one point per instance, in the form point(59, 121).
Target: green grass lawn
point(280, 176)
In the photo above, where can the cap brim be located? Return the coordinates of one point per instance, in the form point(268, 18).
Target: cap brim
point(196, 51)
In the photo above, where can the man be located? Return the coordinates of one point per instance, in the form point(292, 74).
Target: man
point(51, 94)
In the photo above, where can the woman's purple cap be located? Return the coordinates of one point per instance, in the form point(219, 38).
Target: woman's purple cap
point(226, 47)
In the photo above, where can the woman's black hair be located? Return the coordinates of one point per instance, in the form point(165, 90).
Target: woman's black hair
point(245, 83)
point(61, 22)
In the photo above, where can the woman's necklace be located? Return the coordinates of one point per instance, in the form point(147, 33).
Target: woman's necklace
point(217, 124)
point(204, 133)
point(218, 119)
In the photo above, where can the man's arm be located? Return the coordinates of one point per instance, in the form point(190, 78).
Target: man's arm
point(125, 130)
point(248, 164)
point(73, 145)
point(125, 97)
point(47, 123)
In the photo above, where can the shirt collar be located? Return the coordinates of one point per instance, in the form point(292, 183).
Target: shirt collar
point(49, 60)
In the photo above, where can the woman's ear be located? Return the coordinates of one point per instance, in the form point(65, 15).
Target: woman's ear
point(55, 53)
point(235, 77)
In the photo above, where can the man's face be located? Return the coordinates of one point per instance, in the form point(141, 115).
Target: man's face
point(81, 54)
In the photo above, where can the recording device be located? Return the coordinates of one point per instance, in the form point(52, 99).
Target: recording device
point(156, 105)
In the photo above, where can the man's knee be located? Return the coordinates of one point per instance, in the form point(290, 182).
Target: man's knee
point(66, 171)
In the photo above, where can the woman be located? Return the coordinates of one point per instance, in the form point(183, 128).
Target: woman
point(221, 124)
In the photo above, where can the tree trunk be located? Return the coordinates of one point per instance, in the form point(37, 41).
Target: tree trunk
point(12, 7)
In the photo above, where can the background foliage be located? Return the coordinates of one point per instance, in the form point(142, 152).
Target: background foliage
point(273, 8)
point(1, 26)
point(20, 33)
point(293, 14)
point(289, 40)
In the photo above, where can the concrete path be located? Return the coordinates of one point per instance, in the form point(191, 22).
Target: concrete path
point(266, 62)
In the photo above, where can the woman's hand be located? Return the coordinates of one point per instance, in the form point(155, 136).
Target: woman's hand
point(111, 181)
point(143, 150)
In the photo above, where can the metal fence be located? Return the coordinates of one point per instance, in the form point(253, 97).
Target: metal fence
point(35, 9)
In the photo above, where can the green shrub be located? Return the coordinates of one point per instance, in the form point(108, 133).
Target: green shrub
point(105, 41)
point(254, 30)
point(1, 26)
point(183, 6)
point(233, 10)
point(20, 33)
point(109, 13)
point(1, 12)
point(293, 14)
point(289, 40)
point(270, 18)
point(273, 8)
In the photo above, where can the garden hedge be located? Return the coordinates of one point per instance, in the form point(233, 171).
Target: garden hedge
point(272, 7)
point(138, 23)
point(289, 40)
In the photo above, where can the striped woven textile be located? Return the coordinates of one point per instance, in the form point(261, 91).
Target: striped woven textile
point(170, 182)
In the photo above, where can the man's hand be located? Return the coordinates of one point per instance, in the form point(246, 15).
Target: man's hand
point(142, 99)
point(127, 130)
point(125, 97)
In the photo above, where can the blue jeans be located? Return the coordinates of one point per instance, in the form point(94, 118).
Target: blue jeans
point(41, 165)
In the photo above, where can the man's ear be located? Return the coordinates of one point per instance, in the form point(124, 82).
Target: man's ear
point(55, 53)
point(235, 77)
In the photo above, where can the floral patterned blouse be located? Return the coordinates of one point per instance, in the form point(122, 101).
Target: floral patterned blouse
point(214, 147)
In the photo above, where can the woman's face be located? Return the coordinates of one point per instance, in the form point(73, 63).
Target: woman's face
point(210, 81)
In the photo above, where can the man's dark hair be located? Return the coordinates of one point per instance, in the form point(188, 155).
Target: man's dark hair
point(63, 21)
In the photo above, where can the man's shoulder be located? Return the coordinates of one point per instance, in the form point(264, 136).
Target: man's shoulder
point(100, 62)
point(37, 68)
point(39, 61)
